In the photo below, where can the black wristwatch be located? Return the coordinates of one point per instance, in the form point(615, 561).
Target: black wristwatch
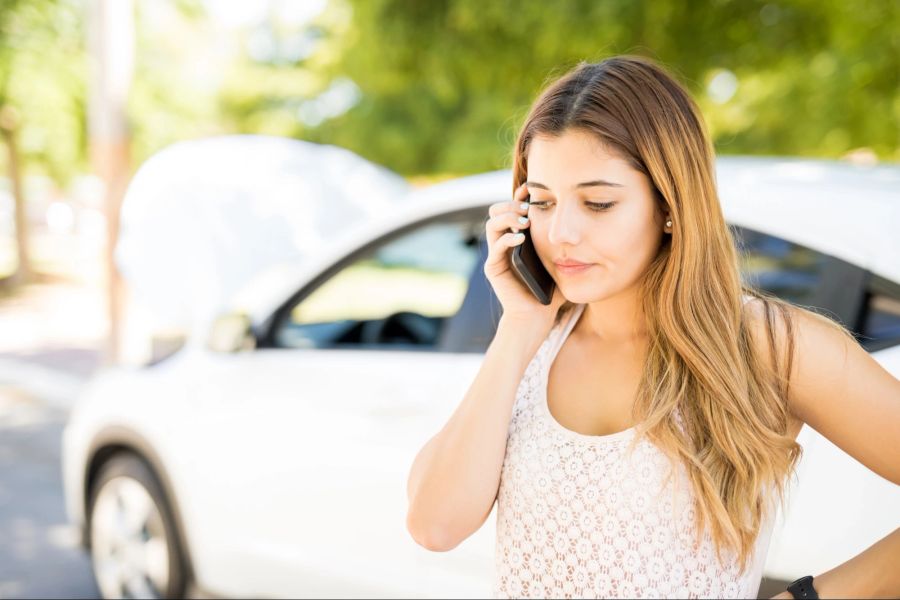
point(803, 588)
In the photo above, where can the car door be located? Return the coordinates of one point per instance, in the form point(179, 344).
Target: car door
point(312, 437)
point(835, 505)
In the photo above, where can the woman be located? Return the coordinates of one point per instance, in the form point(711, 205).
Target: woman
point(638, 432)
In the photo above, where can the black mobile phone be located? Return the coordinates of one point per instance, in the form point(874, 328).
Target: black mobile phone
point(530, 270)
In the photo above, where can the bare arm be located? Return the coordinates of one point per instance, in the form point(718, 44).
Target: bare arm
point(454, 479)
point(842, 392)
point(871, 574)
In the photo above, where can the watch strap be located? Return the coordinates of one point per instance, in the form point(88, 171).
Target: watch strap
point(803, 588)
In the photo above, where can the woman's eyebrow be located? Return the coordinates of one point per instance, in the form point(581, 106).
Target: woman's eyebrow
point(596, 182)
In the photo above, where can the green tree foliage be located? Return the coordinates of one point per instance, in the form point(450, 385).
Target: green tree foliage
point(43, 72)
point(174, 89)
point(445, 84)
point(441, 86)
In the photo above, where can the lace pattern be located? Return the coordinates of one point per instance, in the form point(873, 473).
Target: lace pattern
point(579, 517)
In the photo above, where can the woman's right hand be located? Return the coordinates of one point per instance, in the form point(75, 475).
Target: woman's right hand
point(519, 304)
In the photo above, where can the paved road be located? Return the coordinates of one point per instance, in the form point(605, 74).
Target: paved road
point(39, 557)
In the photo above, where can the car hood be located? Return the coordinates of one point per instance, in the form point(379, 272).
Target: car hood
point(201, 217)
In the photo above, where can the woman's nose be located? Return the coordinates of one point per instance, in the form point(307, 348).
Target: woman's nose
point(564, 227)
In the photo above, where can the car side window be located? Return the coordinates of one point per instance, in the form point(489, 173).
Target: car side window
point(880, 320)
point(399, 293)
point(775, 265)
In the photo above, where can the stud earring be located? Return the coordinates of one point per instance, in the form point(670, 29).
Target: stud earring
point(668, 223)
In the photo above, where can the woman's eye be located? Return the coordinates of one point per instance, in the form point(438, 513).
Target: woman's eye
point(597, 206)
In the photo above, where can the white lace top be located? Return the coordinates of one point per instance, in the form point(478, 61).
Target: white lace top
point(577, 517)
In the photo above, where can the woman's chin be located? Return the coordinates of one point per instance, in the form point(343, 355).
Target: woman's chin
point(586, 290)
point(580, 294)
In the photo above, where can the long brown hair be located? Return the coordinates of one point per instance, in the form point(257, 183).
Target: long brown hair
point(706, 397)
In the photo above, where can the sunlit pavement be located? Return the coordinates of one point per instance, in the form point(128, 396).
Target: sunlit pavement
point(39, 555)
point(48, 348)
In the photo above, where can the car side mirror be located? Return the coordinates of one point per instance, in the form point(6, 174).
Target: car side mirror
point(231, 332)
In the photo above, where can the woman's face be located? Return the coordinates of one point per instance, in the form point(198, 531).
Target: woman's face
point(619, 241)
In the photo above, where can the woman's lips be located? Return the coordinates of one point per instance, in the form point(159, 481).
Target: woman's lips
point(572, 269)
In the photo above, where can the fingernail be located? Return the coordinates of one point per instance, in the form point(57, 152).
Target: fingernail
point(523, 220)
point(524, 206)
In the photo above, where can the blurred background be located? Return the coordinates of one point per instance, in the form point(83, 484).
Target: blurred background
point(90, 89)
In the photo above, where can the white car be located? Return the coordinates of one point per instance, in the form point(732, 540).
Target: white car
point(269, 458)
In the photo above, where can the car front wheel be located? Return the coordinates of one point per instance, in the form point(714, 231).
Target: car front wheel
point(134, 544)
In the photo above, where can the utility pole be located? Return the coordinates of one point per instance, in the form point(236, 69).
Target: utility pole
point(111, 50)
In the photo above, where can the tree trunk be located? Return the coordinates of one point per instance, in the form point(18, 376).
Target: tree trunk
point(23, 272)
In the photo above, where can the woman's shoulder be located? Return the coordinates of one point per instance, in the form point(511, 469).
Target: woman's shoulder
point(793, 339)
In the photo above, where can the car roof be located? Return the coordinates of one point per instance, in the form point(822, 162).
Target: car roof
point(844, 210)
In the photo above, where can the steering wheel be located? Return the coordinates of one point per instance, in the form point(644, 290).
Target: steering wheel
point(418, 328)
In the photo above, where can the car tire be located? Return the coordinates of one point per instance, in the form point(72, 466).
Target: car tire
point(134, 543)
